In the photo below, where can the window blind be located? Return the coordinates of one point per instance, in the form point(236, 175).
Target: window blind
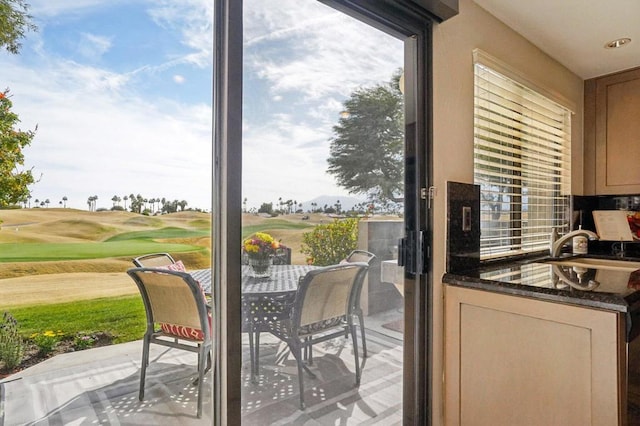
point(522, 159)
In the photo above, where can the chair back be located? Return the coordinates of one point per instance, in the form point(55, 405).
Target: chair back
point(172, 297)
point(328, 293)
point(361, 256)
point(282, 256)
point(153, 260)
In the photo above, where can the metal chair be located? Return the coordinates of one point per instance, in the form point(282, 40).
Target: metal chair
point(322, 310)
point(361, 256)
point(177, 317)
point(367, 257)
point(282, 256)
point(153, 260)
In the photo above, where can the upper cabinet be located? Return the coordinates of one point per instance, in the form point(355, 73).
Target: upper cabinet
point(612, 134)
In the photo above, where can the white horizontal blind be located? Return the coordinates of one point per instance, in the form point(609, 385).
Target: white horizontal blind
point(522, 158)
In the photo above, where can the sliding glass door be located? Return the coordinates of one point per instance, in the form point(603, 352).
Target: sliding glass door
point(321, 125)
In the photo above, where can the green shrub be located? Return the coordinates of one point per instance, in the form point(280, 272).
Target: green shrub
point(83, 341)
point(46, 341)
point(11, 345)
point(329, 244)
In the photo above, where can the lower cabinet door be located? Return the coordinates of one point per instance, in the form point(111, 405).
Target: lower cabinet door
point(517, 361)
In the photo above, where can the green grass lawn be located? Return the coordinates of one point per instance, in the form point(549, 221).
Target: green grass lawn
point(163, 233)
point(273, 224)
point(38, 252)
point(122, 317)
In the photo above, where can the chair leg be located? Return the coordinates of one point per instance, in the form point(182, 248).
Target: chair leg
point(309, 349)
point(362, 336)
point(201, 368)
point(354, 338)
point(297, 354)
point(143, 367)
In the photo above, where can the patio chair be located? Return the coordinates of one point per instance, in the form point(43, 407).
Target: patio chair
point(163, 261)
point(282, 256)
point(367, 257)
point(153, 260)
point(177, 317)
point(322, 310)
point(361, 256)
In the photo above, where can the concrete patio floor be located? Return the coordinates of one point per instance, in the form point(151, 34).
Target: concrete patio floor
point(100, 386)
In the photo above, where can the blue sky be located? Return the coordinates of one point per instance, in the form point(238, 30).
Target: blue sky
point(121, 93)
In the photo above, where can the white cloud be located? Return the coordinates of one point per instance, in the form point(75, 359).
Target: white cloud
point(92, 46)
point(93, 139)
point(179, 79)
point(321, 51)
point(194, 20)
point(47, 8)
point(314, 57)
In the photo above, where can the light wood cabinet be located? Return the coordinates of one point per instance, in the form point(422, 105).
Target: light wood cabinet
point(517, 361)
point(612, 134)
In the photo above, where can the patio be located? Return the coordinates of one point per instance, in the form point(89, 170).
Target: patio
point(100, 386)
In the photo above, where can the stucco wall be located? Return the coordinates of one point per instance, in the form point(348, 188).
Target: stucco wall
point(454, 41)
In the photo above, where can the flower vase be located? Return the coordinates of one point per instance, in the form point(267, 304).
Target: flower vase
point(260, 266)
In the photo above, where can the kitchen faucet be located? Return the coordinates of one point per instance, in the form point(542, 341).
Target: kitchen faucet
point(557, 244)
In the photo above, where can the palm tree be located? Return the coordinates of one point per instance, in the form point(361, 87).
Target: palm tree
point(29, 198)
point(91, 201)
point(47, 202)
point(64, 200)
point(114, 199)
point(125, 198)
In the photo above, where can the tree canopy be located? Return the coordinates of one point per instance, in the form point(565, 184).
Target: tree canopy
point(13, 182)
point(14, 22)
point(366, 152)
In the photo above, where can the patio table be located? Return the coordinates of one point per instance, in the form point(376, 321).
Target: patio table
point(264, 300)
point(283, 279)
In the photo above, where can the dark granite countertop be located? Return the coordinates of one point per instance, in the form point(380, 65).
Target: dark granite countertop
point(597, 288)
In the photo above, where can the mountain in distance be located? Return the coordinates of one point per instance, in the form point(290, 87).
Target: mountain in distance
point(346, 203)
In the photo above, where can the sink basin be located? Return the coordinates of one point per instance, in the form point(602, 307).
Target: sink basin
point(593, 263)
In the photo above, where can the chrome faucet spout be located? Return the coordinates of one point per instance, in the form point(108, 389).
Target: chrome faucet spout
point(556, 246)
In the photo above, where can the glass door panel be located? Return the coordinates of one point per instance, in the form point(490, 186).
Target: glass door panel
point(323, 175)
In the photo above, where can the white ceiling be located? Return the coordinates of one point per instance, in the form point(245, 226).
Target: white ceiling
point(574, 32)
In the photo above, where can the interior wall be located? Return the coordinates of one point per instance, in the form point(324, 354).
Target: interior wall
point(454, 41)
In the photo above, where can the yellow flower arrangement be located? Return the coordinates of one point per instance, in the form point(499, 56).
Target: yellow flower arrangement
point(260, 245)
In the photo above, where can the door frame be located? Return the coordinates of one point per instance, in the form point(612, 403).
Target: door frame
point(407, 21)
